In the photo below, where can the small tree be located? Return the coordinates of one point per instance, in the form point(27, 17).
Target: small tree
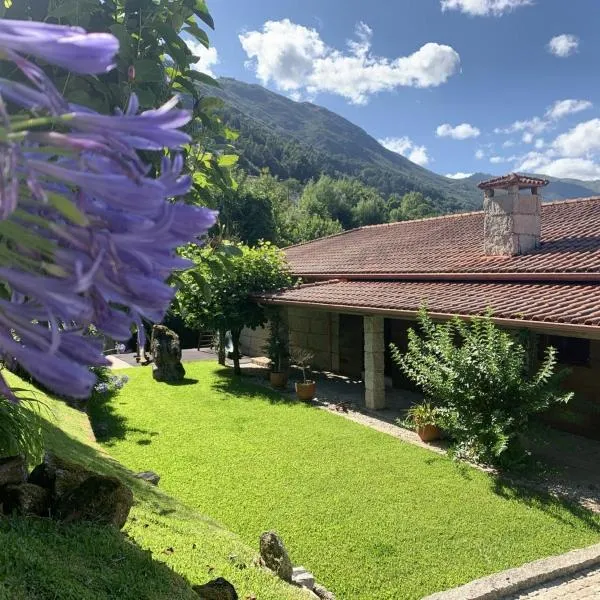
point(477, 375)
point(221, 299)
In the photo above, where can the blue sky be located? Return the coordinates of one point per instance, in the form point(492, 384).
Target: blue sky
point(458, 86)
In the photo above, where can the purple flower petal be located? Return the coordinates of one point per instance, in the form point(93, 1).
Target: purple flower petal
point(68, 47)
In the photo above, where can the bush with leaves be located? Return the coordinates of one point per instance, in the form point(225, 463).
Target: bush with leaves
point(476, 373)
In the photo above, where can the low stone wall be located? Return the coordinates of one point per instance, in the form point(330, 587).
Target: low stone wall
point(253, 341)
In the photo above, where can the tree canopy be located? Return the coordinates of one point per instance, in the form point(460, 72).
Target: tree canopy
point(217, 298)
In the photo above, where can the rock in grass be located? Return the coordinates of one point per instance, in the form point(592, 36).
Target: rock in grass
point(275, 555)
point(62, 475)
point(302, 578)
point(149, 476)
point(98, 499)
point(217, 589)
point(166, 354)
point(322, 592)
point(25, 499)
point(41, 476)
point(12, 470)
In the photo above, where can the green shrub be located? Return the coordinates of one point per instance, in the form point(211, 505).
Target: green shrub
point(476, 374)
point(21, 427)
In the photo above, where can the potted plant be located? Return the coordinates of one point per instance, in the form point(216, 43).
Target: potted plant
point(305, 389)
point(277, 351)
point(424, 418)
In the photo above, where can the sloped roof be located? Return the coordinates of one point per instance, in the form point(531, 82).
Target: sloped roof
point(575, 306)
point(512, 179)
point(453, 244)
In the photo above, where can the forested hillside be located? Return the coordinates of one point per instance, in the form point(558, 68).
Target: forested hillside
point(301, 140)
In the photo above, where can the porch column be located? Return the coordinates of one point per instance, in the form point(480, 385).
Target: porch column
point(374, 362)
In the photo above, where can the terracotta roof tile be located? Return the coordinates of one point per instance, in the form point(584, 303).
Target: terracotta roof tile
point(572, 304)
point(512, 179)
point(454, 244)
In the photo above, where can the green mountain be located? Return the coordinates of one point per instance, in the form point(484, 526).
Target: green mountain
point(301, 140)
point(557, 189)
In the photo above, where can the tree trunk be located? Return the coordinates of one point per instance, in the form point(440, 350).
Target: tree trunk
point(221, 348)
point(235, 340)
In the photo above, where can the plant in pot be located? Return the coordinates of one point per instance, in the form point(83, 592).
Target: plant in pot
point(424, 418)
point(278, 353)
point(305, 389)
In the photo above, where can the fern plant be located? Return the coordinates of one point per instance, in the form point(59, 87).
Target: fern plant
point(477, 376)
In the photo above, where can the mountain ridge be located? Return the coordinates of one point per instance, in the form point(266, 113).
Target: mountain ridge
point(303, 140)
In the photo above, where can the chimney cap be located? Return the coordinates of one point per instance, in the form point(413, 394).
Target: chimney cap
point(512, 179)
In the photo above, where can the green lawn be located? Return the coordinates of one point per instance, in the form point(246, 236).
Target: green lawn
point(167, 545)
point(372, 517)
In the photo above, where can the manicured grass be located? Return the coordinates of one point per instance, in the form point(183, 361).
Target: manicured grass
point(373, 518)
point(166, 548)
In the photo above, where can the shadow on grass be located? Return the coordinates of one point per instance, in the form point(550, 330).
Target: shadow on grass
point(107, 424)
point(184, 381)
point(225, 382)
point(84, 561)
point(538, 498)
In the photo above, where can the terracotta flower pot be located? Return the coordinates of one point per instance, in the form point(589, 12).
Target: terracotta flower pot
point(429, 433)
point(278, 379)
point(306, 391)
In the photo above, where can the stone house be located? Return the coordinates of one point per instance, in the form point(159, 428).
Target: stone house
point(536, 266)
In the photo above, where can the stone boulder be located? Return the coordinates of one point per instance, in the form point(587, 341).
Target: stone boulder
point(275, 556)
point(322, 592)
point(59, 475)
point(166, 355)
point(99, 499)
point(25, 499)
point(217, 589)
point(12, 470)
point(149, 476)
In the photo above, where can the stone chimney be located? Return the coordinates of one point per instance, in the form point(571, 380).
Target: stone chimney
point(512, 208)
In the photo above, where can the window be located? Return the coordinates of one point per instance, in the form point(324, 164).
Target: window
point(573, 352)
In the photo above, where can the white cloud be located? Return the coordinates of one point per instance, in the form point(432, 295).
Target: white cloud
point(458, 175)
point(539, 143)
point(563, 45)
point(527, 137)
point(535, 125)
point(460, 132)
point(508, 144)
point(564, 168)
point(479, 154)
point(208, 57)
point(406, 147)
point(495, 160)
point(562, 108)
point(484, 8)
point(582, 140)
point(295, 58)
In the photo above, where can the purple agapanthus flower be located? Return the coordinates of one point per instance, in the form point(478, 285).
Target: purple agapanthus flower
point(89, 236)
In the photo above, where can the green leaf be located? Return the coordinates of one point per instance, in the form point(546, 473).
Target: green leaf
point(202, 78)
point(197, 32)
point(187, 85)
point(148, 71)
point(228, 160)
point(201, 10)
point(67, 209)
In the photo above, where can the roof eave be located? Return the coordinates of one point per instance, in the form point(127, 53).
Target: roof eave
point(550, 327)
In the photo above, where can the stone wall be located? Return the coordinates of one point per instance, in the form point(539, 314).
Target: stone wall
point(314, 331)
point(512, 222)
point(253, 341)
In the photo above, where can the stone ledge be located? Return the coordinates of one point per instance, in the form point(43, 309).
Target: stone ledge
point(498, 586)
